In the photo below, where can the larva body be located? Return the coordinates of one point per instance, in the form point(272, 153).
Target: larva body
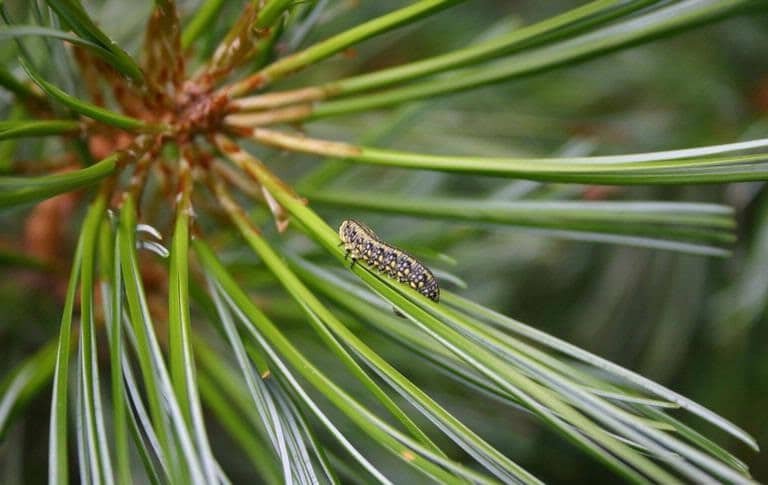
point(364, 245)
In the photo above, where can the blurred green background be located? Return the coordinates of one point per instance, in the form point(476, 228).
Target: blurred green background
point(695, 324)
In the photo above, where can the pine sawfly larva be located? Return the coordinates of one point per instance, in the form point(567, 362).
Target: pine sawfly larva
point(362, 244)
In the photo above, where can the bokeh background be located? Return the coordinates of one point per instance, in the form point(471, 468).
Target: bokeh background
point(696, 324)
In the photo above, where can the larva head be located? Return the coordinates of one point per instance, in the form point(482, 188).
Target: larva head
point(347, 230)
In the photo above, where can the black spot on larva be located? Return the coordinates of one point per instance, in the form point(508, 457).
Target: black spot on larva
point(362, 244)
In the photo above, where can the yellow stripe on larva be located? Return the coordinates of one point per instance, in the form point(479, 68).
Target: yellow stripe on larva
point(364, 245)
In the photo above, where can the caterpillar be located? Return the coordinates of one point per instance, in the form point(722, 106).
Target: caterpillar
point(361, 243)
